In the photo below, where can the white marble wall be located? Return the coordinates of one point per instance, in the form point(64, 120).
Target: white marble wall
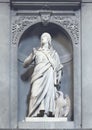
point(86, 15)
point(4, 63)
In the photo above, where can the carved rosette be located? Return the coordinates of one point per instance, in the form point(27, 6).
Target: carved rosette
point(68, 22)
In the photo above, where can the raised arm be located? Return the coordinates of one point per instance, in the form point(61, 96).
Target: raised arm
point(28, 60)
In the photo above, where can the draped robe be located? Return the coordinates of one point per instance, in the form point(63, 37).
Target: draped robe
point(46, 74)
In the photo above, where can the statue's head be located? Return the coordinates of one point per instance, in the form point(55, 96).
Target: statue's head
point(46, 40)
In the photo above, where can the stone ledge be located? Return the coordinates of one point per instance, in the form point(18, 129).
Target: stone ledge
point(45, 119)
point(4, 1)
point(52, 4)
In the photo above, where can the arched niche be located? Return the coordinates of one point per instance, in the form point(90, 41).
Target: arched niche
point(69, 29)
point(62, 43)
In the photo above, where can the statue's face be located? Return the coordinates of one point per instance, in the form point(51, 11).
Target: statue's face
point(44, 41)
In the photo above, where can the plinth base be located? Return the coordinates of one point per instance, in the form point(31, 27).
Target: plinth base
point(47, 119)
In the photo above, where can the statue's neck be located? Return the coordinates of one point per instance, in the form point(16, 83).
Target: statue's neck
point(45, 48)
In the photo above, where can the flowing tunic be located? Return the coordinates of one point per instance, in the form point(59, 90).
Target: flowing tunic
point(43, 82)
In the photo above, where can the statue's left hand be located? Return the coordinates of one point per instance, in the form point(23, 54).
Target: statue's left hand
point(25, 65)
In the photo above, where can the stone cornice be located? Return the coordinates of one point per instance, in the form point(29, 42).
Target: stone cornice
point(52, 4)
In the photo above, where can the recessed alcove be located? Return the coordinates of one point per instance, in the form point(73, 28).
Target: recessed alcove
point(62, 43)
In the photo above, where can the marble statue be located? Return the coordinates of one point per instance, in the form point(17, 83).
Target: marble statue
point(45, 99)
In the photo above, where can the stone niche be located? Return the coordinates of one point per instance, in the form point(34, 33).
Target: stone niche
point(62, 44)
point(26, 29)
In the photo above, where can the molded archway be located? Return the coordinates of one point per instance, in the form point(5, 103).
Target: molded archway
point(62, 43)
